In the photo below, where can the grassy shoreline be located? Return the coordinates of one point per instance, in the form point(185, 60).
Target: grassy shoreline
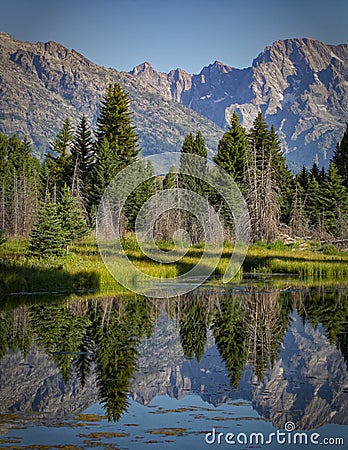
point(83, 269)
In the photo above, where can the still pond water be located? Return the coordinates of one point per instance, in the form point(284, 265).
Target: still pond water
point(216, 368)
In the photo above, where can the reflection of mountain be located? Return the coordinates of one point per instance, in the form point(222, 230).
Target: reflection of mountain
point(307, 384)
point(304, 379)
point(34, 387)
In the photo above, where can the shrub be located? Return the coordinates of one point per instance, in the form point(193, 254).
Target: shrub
point(329, 249)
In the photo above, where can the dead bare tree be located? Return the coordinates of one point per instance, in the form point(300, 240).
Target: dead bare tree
point(262, 196)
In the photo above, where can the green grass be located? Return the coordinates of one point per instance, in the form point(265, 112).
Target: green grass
point(304, 263)
point(83, 269)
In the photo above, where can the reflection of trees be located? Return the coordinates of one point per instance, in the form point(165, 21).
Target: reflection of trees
point(329, 308)
point(118, 329)
point(79, 335)
point(193, 322)
point(60, 332)
point(15, 331)
point(249, 329)
point(103, 335)
point(230, 337)
point(265, 318)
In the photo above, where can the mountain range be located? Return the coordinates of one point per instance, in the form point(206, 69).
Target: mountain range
point(300, 86)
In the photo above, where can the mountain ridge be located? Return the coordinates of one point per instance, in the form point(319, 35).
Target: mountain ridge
point(300, 85)
point(43, 83)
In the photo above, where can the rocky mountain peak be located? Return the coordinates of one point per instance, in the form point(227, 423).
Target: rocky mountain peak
point(302, 52)
point(216, 68)
point(43, 83)
point(142, 68)
point(300, 85)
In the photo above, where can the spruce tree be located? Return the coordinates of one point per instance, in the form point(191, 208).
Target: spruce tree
point(302, 178)
point(115, 124)
point(315, 171)
point(340, 158)
point(195, 167)
point(58, 167)
point(191, 171)
point(72, 220)
point(333, 201)
point(83, 156)
point(231, 150)
point(47, 236)
point(82, 149)
point(104, 170)
point(117, 142)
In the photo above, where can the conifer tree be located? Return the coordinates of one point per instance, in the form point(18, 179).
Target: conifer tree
point(333, 201)
point(117, 142)
point(72, 220)
point(58, 164)
point(115, 124)
point(83, 155)
point(190, 173)
point(82, 149)
point(231, 150)
point(340, 158)
point(104, 170)
point(47, 236)
point(302, 178)
point(196, 168)
point(187, 181)
point(315, 171)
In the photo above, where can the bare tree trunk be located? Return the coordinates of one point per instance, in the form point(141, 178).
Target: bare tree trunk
point(3, 205)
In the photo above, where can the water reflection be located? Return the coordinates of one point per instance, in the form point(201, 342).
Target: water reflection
point(286, 352)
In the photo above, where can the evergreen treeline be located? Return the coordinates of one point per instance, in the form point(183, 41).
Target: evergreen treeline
point(311, 204)
point(56, 201)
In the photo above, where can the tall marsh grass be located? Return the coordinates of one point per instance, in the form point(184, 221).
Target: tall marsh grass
point(83, 267)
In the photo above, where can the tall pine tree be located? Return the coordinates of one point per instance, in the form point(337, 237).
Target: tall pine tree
point(334, 203)
point(231, 150)
point(195, 167)
point(83, 156)
point(340, 158)
point(58, 166)
point(117, 144)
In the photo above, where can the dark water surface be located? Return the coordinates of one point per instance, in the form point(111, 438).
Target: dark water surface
point(215, 368)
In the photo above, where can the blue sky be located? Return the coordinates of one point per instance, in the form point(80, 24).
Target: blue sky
point(169, 34)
